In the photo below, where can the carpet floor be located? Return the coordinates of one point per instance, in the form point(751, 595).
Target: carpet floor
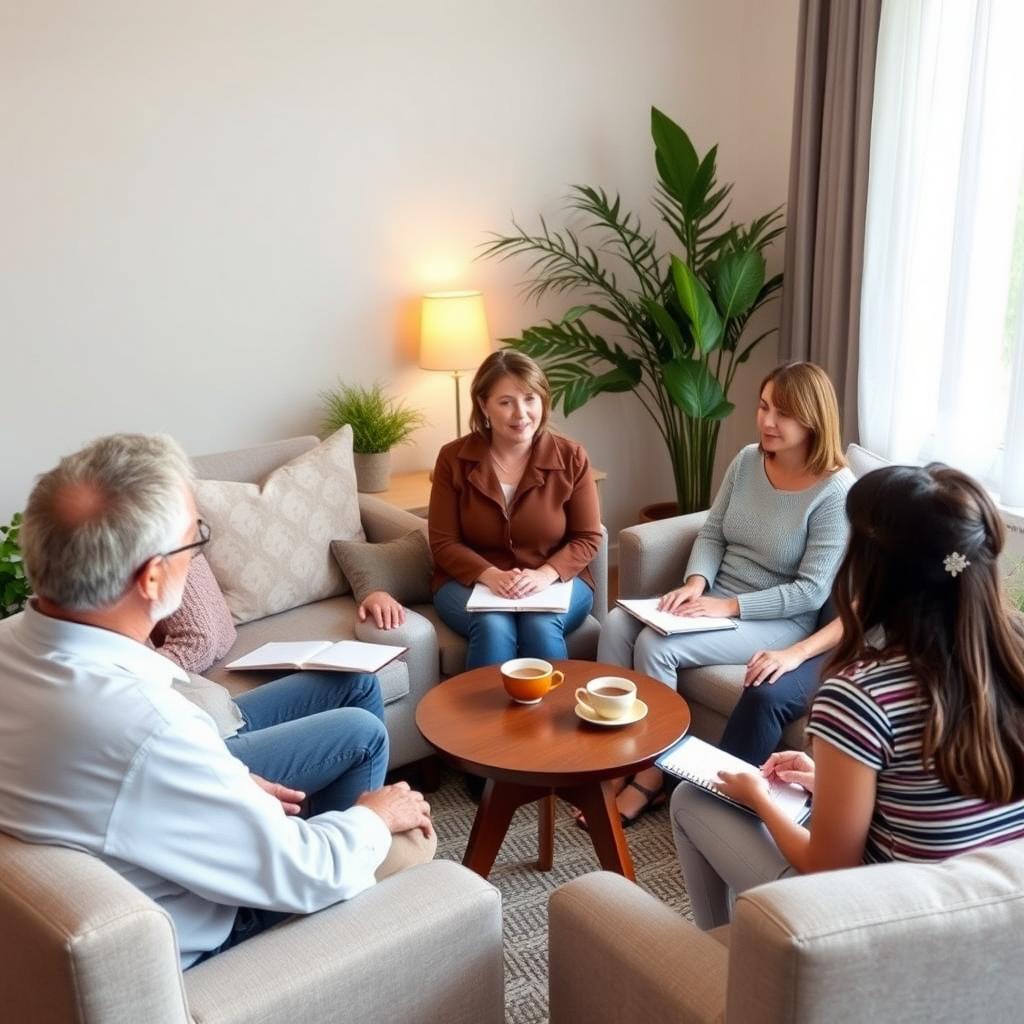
point(524, 889)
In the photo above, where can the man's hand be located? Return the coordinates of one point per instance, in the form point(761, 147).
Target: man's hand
point(400, 808)
point(790, 766)
point(290, 799)
point(385, 611)
point(767, 666)
point(691, 589)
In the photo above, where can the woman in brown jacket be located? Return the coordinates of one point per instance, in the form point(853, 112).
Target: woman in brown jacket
point(513, 506)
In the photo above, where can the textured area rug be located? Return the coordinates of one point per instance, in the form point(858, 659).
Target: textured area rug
point(524, 889)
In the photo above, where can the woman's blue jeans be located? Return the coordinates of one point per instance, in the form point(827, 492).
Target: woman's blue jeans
point(756, 724)
point(495, 637)
point(321, 732)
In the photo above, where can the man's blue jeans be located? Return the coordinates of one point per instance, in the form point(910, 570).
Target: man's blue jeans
point(321, 732)
point(756, 724)
point(495, 637)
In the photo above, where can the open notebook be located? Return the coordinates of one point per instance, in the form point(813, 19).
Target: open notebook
point(345, 656)
point(555, 598)
point(646, 610)
point(698, 762)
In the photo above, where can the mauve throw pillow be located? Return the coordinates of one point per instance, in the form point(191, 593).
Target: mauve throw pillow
point(201, 631)
point(402, 567)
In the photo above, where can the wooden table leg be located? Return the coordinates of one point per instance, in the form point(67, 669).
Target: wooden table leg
point(597, 802)
point(546, 832)
point(497, 805)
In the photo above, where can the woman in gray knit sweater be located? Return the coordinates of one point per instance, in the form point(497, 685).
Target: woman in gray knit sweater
point(766, 556)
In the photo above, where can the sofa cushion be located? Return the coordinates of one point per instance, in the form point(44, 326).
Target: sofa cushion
point(402, 567)
point(270, 543)
point(201, 630)
point(332, 619)
point(715, 686)
point(863, 461)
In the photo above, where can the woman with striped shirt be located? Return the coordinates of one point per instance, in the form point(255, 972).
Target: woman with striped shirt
point(918, 730)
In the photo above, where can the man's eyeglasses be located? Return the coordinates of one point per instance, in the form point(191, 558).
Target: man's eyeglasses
point(203, 530)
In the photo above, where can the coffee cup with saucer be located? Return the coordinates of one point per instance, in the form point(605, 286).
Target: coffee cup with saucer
point(609, 700)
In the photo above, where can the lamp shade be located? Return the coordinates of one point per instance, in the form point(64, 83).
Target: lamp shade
point(453, 331)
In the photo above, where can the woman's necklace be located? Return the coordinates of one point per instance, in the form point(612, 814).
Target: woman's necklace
point(518, 465)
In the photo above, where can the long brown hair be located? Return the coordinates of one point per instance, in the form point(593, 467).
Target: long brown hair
point(910, 529)
point(507, 362)
point(805, 392)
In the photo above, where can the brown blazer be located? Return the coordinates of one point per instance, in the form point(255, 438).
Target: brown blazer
point(553, 517)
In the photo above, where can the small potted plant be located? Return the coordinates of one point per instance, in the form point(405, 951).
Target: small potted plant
point(378, 423)
point(14, 588)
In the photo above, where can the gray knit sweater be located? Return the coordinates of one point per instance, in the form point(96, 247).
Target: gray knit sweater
point(777, 552)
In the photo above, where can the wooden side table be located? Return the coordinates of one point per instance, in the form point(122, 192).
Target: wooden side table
point(411, 491)
point(537, 751)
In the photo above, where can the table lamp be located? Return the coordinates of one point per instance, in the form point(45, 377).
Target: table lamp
point(453, 336)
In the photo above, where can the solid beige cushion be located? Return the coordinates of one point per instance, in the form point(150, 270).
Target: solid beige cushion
point(270, 544)
point(401, 567)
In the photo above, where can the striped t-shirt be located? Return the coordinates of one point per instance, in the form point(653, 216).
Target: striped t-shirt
point(877, 716)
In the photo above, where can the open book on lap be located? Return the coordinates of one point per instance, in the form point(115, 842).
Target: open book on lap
point(646, 610)
point(555, 598)
point(695, 761)
point(344, 656)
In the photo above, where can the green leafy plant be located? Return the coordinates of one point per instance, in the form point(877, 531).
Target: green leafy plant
point(674, 332)
point(378, 423)
point(14, 587)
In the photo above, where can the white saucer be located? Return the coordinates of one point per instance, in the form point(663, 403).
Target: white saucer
point(635, 713)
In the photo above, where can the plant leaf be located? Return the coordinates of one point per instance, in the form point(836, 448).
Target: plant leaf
point(703, 180)
point(668, 327)
point(696, 302)
point(695, 390)
point(738, 277)
point(674, 155)
point(576, 312)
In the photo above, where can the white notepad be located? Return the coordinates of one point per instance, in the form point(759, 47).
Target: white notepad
point(698, 762)
point(646, 610)
point(555, 598)
point(344, 656)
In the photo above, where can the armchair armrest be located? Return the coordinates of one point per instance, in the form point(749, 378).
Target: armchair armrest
point(423, 945)
point(617, 955)
point(653, 556)
point(382, 521)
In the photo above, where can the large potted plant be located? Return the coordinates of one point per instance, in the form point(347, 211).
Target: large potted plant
point(378, 424)
point(673, 333)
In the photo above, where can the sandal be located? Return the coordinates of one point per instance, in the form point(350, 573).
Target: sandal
point(654, 798)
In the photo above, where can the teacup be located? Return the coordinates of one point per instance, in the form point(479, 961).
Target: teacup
point(527, 680)
point(609, 697)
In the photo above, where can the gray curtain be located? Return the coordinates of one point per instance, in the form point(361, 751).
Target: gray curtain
point(828, 187)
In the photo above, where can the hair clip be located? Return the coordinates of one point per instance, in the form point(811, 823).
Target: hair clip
point(955, 564)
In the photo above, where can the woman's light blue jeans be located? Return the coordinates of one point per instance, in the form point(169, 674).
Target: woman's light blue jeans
point(495, 637)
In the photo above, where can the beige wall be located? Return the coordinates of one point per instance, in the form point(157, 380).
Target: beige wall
point(210, 210)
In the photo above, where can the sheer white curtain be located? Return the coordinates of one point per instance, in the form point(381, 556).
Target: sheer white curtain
point(942, 332)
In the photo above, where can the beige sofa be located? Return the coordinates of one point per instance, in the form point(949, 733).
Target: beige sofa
point(78, 943)
point(652, 558)
point(894, 942)
point(434, 650)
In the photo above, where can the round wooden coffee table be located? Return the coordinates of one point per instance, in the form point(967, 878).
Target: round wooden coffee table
point(530, 752)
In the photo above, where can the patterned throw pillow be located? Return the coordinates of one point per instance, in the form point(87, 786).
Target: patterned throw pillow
point(200, 632)
point(270, 543)
point(402, 567)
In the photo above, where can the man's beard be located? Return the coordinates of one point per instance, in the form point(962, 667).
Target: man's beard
point(167, 605)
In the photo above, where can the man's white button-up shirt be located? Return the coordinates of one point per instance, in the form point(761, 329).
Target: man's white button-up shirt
point(99, 753)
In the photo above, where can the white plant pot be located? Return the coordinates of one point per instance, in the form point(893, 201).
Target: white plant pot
point(373, 472)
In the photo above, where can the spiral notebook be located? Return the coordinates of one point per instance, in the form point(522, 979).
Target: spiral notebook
point(698, 762)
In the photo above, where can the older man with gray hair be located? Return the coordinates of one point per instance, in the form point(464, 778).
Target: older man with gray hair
point(99, 752)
